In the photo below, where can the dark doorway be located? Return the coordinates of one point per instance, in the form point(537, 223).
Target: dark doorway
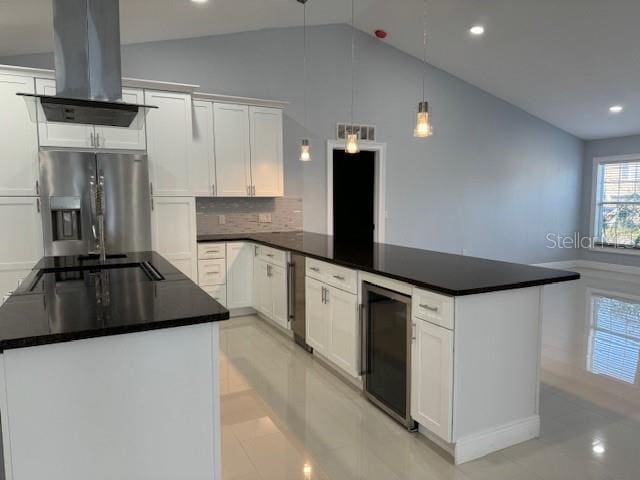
point(353, 196)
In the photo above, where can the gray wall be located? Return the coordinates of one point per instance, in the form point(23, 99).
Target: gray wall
point(493, 179)
point(604, 148)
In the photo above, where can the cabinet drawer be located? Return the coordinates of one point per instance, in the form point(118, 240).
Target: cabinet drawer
point(273, 256)
point(208, 251)
point(434, 308)
point(339, 277)
point(218, 293)
point(343, 278)
point(317, 269)
point(212, 272)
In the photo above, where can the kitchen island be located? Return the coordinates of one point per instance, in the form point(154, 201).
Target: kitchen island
point(110, 370)
point(448, 341)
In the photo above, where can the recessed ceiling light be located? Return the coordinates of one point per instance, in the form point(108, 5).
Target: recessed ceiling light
point(477, 30)
point(616, 108)
point(199, 1)
point(598, 448)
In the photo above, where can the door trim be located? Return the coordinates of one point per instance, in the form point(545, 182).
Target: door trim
point(380, 213)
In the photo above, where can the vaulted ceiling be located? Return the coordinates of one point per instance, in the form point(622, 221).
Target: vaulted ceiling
point(565, 61)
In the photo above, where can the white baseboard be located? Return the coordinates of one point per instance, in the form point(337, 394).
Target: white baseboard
point(480, 444)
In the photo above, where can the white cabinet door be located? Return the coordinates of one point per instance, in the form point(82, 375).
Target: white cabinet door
point(432, 378)
point(264, 288)
point(239, 274)
point(18, 137)
point(343, 329)
point(125, 138)
point(54, 134)
point(173, 228)
point(169, 134)
point(203, 173)
point(278, 281)
point(316, 316)
point(266, 152)
point(232, 150)
point(21, 242)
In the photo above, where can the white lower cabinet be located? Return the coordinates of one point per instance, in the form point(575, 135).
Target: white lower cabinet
point(343, 329)
point(173, 230)
point(270, 291)
point(213, 271)
point(432, 378)
point(21, 242)
point(315, 313)
point(332, 324)
point(239, 275)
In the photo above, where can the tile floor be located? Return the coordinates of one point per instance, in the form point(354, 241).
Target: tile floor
point(285, 416)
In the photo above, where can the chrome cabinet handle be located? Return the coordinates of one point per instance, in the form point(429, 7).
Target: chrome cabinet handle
point(98, 140)
point(92, 139)
point(269, 255)
point(37, 187)
point(213, 189)
point(151, 188)
point(248, 191)
point(339, 277)
point(213, 273)
point(322, 296)
point(314, 269)
point(413, 332)
point(38, 205)
point(428, 307)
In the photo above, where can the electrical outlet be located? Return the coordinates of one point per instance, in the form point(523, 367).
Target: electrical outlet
point(264, 218)
point(222, 220)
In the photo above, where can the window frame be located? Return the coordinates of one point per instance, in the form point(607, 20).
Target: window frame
point(595, 195)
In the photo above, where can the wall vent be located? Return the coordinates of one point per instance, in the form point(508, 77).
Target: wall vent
point(367, 133)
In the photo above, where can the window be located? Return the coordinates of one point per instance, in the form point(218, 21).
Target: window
point(617, 203)
point(615, 338)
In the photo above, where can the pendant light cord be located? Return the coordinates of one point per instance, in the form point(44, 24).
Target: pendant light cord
point(304, 67)
point(424, 53)
point(353, 59)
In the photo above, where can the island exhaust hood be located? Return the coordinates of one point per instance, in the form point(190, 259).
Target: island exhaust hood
point(88, 66)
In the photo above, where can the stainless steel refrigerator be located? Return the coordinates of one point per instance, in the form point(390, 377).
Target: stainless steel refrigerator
point(94, 203)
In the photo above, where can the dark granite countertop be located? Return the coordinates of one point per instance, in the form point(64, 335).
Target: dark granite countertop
point(66, 298)
point(450, 274)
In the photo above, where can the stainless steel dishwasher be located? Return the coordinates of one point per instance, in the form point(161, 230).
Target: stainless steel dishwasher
point(297, 303)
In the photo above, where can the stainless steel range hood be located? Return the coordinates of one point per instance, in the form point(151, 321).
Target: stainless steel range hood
point(88, 66)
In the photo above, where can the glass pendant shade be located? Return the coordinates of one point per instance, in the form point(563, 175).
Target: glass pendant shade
point(423, 128)
point(352, 144)
point(305, 151)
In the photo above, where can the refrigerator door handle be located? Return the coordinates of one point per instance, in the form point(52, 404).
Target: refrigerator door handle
point(93, 196)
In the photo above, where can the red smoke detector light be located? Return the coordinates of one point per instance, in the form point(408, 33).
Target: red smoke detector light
point(381, 34)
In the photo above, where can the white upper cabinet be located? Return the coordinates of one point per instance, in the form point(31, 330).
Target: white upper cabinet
point(169, 135)
point(232, 150)
point(203, 182)
point(18, 137)
point(173, 230)
point(125, 138)
point(266, 152)
point(54, 134)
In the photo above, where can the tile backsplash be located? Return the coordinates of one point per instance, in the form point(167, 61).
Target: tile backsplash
point(243, 215)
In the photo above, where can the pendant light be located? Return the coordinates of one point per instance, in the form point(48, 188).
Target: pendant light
point(424, 128)
point(305, 149)
point(352, 136)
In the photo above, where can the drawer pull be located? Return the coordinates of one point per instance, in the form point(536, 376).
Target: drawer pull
point(212, 251)
point(339, 277)
point(212, 273)
point(428, 307)
point(269, 255)
point(314, 269)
